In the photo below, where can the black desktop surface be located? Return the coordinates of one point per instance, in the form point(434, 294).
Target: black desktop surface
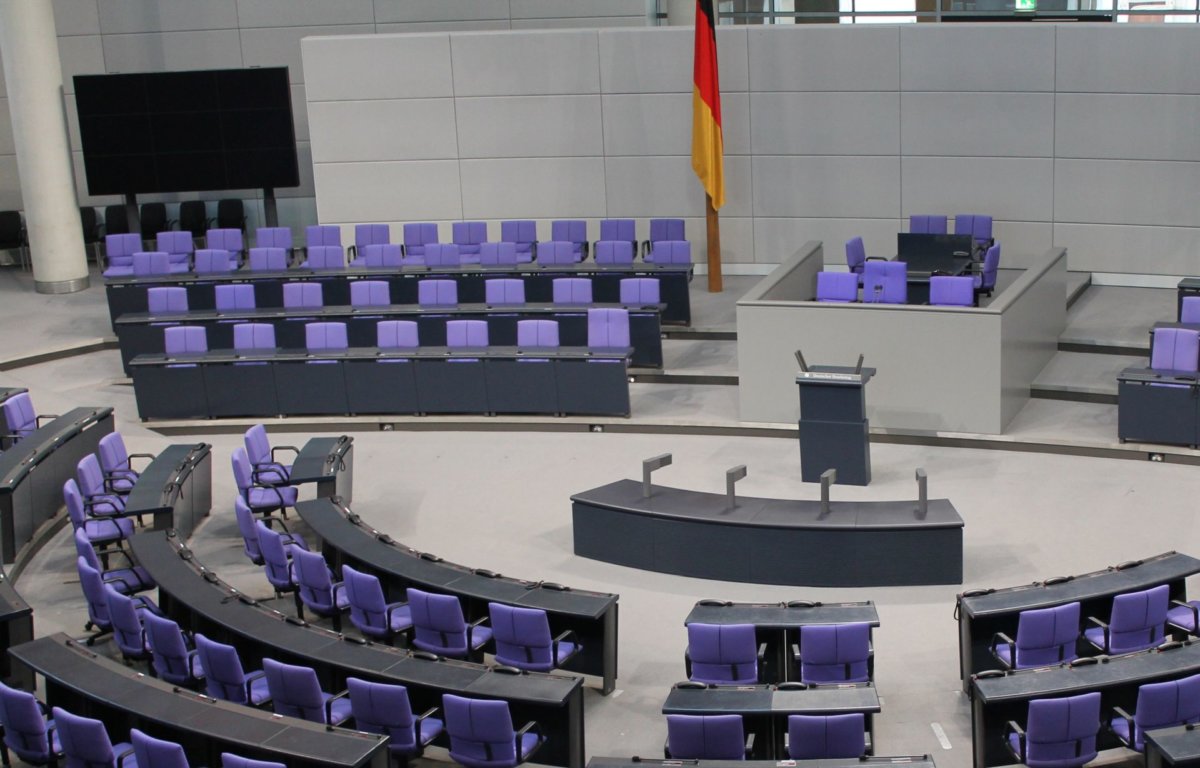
point(783, 615)
point(767, 699)
point(914, 761)
point(1180, 744)
point(934, 253)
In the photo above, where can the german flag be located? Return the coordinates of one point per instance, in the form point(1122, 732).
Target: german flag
point(708, 147)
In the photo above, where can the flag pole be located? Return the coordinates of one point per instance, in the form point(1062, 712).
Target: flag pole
point(713, 228)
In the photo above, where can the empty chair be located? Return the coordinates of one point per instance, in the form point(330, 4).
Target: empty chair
point(1044, 636)
point(370, 293)
point(230, 760)
point(523, 639)
point(185, 339)
point(639, 290)
point(316, 235)
point(1058, 733)
point(178, 246)
point(1174, 349)
point(571, 290)
point(442, 255)
point(467, 333)
point(482, 733)
point(224, 677)
point(149, 752)
point(193, 218)
point(1189, 309)
point(27, 732)
point(839, 287)
point(389, 256)
point(385, 709)
point(99, 498)
point(324, 257)
point(154, 219)
point(126, 579)
point(557, 252)
point(85, 743)
point(226, 240)
point(266, 468)
point(160, 300)
point(231, 214)
point(614, 252)
point(172, 660)
point(295, 692)
point(369, 610)
point(259, 497)
point(396, 334)
point(273, 237)
point(663, 229)
point(235, 297)
point(1137, 622)
point(523, 236)
point(619, 229)
point(319, 336)
point(128, 632)
point(499, 254)
point(706, 737)
point(977, 225)
point(537, 333)
point(277, 562)
point(211, 261)
point(856, 255)
point(249, 532)
point(302, 296)
point(506, 291)
point(885, 282)
point(608, 328)
point(439, 626)
point(118, 253)
point(927, 224)
point(117, 463)
point(20, 418)
point(946, 291)
point(835, 653)
point(670, 252)
point(985, 281)
point(116, 221)
point(267, 259)
point(150, 263)
point(1159, 705)
point(92, 585)
point(417, 236)
point(318, 591)
point(253, 336)
point(97, 530)
point(468, 236)
point(437, 293)
point(573, 231)
point(371, 234)
point(723, 654)
point(818, 737)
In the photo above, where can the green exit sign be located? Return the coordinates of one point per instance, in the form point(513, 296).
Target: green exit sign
point(1025, 5)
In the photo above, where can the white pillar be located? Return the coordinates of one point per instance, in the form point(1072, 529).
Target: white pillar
point(33, 75)
point(682, 13)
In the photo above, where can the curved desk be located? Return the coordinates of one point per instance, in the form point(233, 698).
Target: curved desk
point(769, 541)
point(347, 539)
point(913, 761)
point(90, 685)
point(196, 598)
point(175, 488)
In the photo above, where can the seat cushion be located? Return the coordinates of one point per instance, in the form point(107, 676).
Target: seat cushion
point(99, 531)
point(272, 497)
point(1095, 636)
point(1184, 618)
point(272, 473)
point(259, 693)
point(1120, 726)
point(340, 710)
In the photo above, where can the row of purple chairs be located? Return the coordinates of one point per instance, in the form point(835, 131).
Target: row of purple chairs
point(886, 281)
point(977, 225)
point(728, 654)
point(809, 737)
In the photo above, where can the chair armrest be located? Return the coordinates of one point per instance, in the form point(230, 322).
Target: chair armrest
point(193, 658)
point(478, 622)
point(46, 417)
point(329, 707)
point(1012, 727)
point(567, 635)
point(132, 456)
point(249, 681)
point(878, 258)
point(586, 251)
point(762, 652)
point(645, 248)
point(1128, 718)
point(256, 478)
point(1194, 607)
point(532, 725)
point(121, 758)
point(351, 254)
point(426, 714)
point(270, 520)
point(391, 608)
point(795, 653)
point(119, 580)
point(749, 743)
point(1002, 639)
point(1098, 623)
point(291, 448)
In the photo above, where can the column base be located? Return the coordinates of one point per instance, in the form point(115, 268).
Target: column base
point(62, 286)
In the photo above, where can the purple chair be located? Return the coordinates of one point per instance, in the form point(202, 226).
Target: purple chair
point(260, 497)
point(267, 259)
point(927, 224)
point(572, 290)
point(178, 246)
point(437, 293)
point(468, 235)
point(224, 677)
point(128, 632)
point(302, 296)
point(619, 229)
point(976, 225)
point(706, 737)
point(172, 660)
point(660, 230)
point(371, 234)
point(92, 584)
point(482, 733)
point(385, 709)
point(1175, 349)
point(985, 281)
point(614, 251)
point(150, 263)
point(499, 254)
point(819, 737)
point(1058, 733)
point(20, 419)
point(608, 328)
point(885, 282)
point(1045, 636)
point(118, 253)
point(185, 339)
point(85, 743)
point(225, 240)
point(537, 333)
point(97, 530)
point(1137, 622)
point(369, 610)
point(386, 256)
point(249, 531)
point(523, 639)
point(295, 692)
point(273, 237)
point(99, 497)
point(396, 334)
point(210, 261)
point(230, 760)
point(161, 300)
point(946, 291)
point(253, 336)
point(835, 653)
point(557, 252)
point(320, 336)
point(504, 291)
point(1159, 705)
point(125, 580)
point(325, 257)
point(840, 287)
point(573, 231)
point(439, 626)
point(417, 236)
point(670, 252)
point(1189, 309)
point(523, 235)
point(267, 471)
point(28, 733)
point(723, 654)
point(370, 293)
point(316, 235)
point(116, 462)
point(149, 752)
point(277, 564)
point(856, 255)
point(466, 333)
point(442, 255)
point(316, 587)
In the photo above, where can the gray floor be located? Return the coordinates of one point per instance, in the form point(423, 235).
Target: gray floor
point(1118, 316)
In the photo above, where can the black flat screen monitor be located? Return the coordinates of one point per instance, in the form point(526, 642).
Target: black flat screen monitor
point(933, 253)
point(216, 129)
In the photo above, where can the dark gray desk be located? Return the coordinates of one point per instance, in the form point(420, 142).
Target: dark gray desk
point(996, 700)
point(16, 627)
point(87, 684)
point(981, 613)
point(347, 539)
point(220, 383)
point(1148, 411)
point(196, 598)
point(328, 462)
point(141, 333)
point(128, 294)
point(33, 471)
point(765, 708)
point(834, 430)
point(176, 488)
point(913, 761)
point(1174, 746)
point(691, 533)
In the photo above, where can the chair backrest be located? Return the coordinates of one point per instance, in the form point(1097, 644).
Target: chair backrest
point(212, 261)
point(368, 607)
point(371, 234)
point(313, 580)
point(521, 233)
point(837, 286)
point(1062, 731)
point(370, 293)
point(116, 221)
point(856, 255)
point(1175, 349)
point(573, 231)
point(1138, 619)
point(927, 224)
point(438, 623)
point(258, 445)
point(325, 257)
point(537, 333)
point(947, 291)
point(443, 255)
point(169, 651)
point(120, 248)
point(253, 336)
point(834, 653)
point(93, 593)
point(608, 327)
point(559, 252)
point(85, 742)
point(224, 677)
point(572, 290)
point(276, 565)
point(245, 524)
point(227, 239)
point(112, 453)
point(885, 282)
point(322, 234)
point(230, 760)
point(20, 418)
point(384, 709)
point(1161, 705)
point(24, 726)
point(437, 293)
point(498, 254)
point(418, 235)
point(1189, 309)
point(273, 237)
point(295, 691)
point(467, 235)
point(380, 255)
point(318, 336)
point(667, 229)
point(614, 251)
point(1047, 635)
point(522, 637)
point(816, 737)
point(174, 243)
point(723, 654)
point(128, 632)
point(991, 268)
point(74, 502)
point(302, 296)
point(504, 291)
point(480, 731)
point(978, 225)
point(231, 214)
point(242, 469)
point(181, 339)
point(396, 334)
point(156, 753)
point(639, 290)
point(151, 263)
point(162, 299)
point(267, 259)
point(706, 737)
point(467, 333)
point(618, 229)
point(89, 476)
point(671, 252)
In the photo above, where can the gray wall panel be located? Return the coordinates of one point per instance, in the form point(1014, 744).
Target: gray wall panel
point(7, 147)
point(408, 27)
point(835, 187)
point(418, 67)
point(10, 183)
point(1005, 187)
point(1029, 329)
point(550, 9)
point(1108, 58)
point(825, 123)
point(564, 63)
point(289, 13)
point(440, 10)
point(661, 124)
point(659, 60)
point(776, 239)
point(667, 186)
point(424, 190)
point(362, 131)
point(300, 111)
point(1126, 192)
point(280, 46)
point(1132, 126)
point(80, 55)
point(986, 57)
point(529, 126)
point(121, 16)
point(824, 58)
point(214, 49)
point(76, 17)
point(557, 187)
point(582, 22)
point(978, 124)
point(1116, 248)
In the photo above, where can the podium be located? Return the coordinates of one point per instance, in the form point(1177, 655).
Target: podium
point(833, 423)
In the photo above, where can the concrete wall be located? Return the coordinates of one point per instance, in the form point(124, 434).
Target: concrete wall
point(1076, 135)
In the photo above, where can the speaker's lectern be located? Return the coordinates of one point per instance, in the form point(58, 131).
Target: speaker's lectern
point(833, 422)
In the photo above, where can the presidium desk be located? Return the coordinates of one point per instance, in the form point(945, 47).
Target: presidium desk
point(769, 541)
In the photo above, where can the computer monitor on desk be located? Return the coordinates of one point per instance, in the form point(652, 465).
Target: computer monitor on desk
point(934, 253)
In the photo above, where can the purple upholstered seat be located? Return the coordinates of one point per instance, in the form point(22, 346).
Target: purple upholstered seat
point(1175, 349)
point(115, 462)
point(371, 234)
point(705, 737)
point(302, 296)
point(263, 497)
point(670, 252)
point(977, 225)
point(523, 639)
point(387, 255)
point(437, 293)
point(522, 234)
point(147, 263)
point(504, 291)
point(150, 752)
point(211, 261)
point(1044, 636)
point(317, 588)
point(224, 676)
point(267, 259)
point(320, 336)
point(500, 254)
point(316, 235)
point(238, 296)
point(417, 235)
point(172, 660)
point(468, 235)
point(295, 692)
point(618, 229)
point(1189, 309)
point(537, 333)
point(370, 293)
point(837, 287)
point(166, 299)
point(557, 252)
point(856, 255)
point(396, 334)
point(663, 230)
point(1159, 705)
point(608, 328)
point(639, 290)
point(467, 333)
point(28, 733)
point(325, 257)
point(819, 737)
point(572, 290)
point(835, 653)
point(927, 224)
point(253, 336)
point(178, 246)
point(85, 742)
point(985, 281)
point(1058, 733)
point(722, 654)
point(118, 252)
point(442, 255)
point(184, 339)
point(370, 611)
point(946, 291)
point(439, 626)
point(273, 237)
point(482, 733)
point(614, 251)
point(385, 709)
point(1137, 622)
point(885, 282)
point(225, 240)
point(573, 231)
